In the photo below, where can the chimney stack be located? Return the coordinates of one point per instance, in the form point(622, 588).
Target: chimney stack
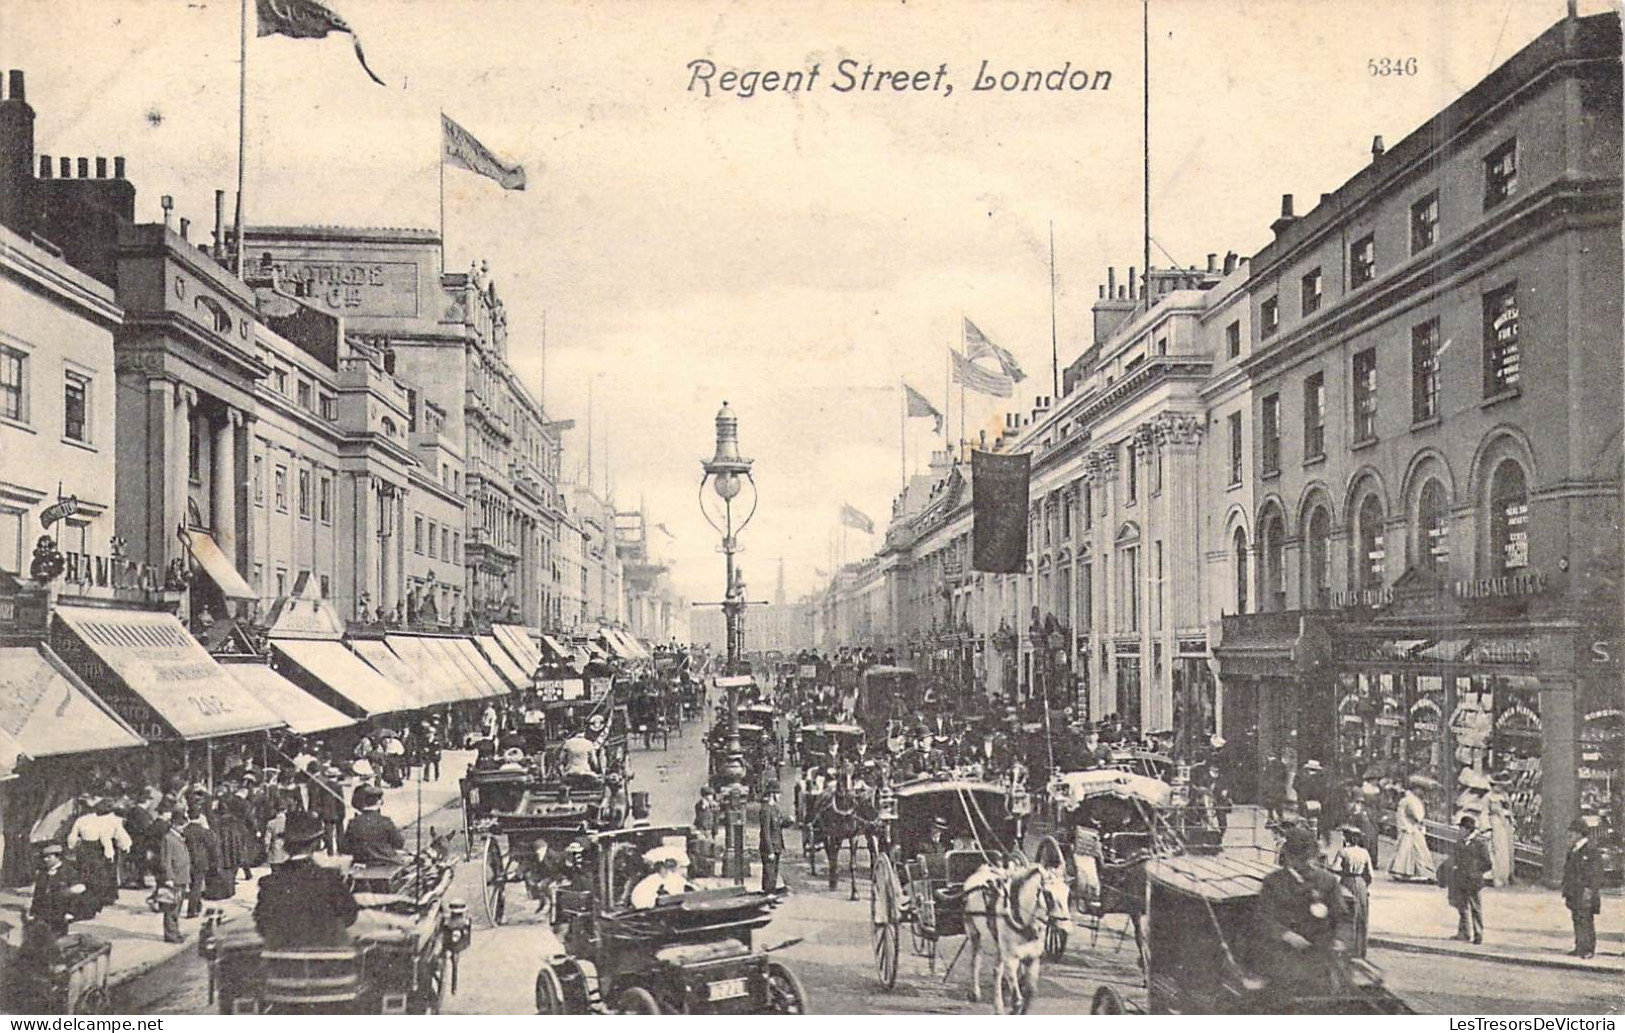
point(167, 203)
point(17, 92)
point(186, 225)
point(45, 166)
point(1377, 148)
point(65, 168)
point(1286, 206)
point(219, 222)
point(1111, 281)
point(1102, 290)
point(84, 168)
point(101, 168)
point(1229, 262)
point(1131, 290)
point(1212, 261)
point(118, 166)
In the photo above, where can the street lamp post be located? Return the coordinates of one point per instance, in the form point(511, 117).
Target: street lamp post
point(729, 474)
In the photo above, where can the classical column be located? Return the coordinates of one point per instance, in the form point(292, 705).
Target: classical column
point(386, 550)
point(181, 462)
point(223, 484)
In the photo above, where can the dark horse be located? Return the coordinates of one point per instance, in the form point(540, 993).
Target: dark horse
point(844, 816)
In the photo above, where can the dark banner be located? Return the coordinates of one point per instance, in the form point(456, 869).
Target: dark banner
point(999, 511)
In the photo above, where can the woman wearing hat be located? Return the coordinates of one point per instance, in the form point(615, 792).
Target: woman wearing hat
point(1413, 861)
point(1498, 813)
point(667, 866)
point(1353, 868)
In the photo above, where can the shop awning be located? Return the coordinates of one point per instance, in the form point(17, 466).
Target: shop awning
point(346, 675)
point(468, 683)
point(408, 678)
point(505, 664)
point(616, 649)
point(45, 710)
point(168, 679)
point(519, 644)
point(561, 652)
point(438, 679)
point(305, 714)
point(220, 569)
point(495, 684)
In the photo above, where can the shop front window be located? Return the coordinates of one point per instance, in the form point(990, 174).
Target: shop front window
point(1515, 747)
point(1425, 745)
point(1601, 771)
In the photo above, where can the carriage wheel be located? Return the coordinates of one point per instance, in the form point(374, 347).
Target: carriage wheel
point(885, 921)
point(636, 1001)
point(785, 995)
point(468, 832)
point(1107, 1002)
point(434, 998)
point(94, 1001)
point(495, 889)
point(549, 993)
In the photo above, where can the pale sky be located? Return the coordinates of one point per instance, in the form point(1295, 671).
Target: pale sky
point(795, 254)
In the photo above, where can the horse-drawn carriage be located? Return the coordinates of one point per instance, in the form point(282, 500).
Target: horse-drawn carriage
point(401, 960)
point(824, 743)
point(526, 843)
point(939, 832)
point(1114, 821)
point(692, 952)
point(761, 752)
point(1202, 956)
point(883, 693)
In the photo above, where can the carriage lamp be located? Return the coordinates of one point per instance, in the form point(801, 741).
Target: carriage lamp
point(459, 930)
point(729, 474)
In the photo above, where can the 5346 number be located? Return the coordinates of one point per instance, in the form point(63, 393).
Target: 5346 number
point(1383, 67)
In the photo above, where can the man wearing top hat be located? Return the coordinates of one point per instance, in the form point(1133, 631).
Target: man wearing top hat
point(772, 838)
point(1300, 911)
point(1582, 887)
point(371, 838)
point(301, 903)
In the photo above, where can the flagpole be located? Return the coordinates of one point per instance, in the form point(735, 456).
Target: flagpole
point(947, 393)
point(441, 163)
point(544, 326)
point(242, 128)
point(902, 429)
point(1054, 341)
point(961, 447)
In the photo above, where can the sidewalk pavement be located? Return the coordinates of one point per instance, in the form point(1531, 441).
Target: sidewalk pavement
point(1524, 924)
point(136, 932)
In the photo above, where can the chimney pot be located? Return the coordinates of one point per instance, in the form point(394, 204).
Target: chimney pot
point(1131, 289)
point(1229, 262)
point(1212, 261)
point(186, 225)
point(219, 219)
point(45, 166)
point(1286, 206)
point(17, 92)
point(1102, 290)
point(118, 167)
point(65, 167)
point(101, 168)
point(84, 168)
point(1377, 148)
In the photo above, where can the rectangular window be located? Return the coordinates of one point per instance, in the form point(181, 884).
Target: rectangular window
point(13, 363)
point(1501, 174)
point(194, 451)
point(75, 405)
point(1131, 470)
point(1425, 222)
point(1270, 429)
point(326, 500)
point(1365, 395)
point(456, 547)
point(1235, 448)
point(1311, 291)
point(1156, 469)
point(259, 480)
point(1269, 316)
point(329, 407)
point(304, 493)
point(1232, 339)
point(445, 544)
point(1425, 371)
point(281, 583)
point(281, 478)
point(417, 535)
point(325, 586)
point(434, 540)
point(1314, 416)
point(1066, 518)
point(305, 395)
point(1363, 261)
point(1130, 568)
point(280, 378)
point(1503, 360)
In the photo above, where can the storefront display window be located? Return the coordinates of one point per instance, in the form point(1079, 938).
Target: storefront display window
point(1128, 690)
point(1425, 746)
point(1602, 760)
point(1515, 751)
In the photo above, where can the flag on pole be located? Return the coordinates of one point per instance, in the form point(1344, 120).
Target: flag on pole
point(460, 148)
point(919, 405)
point(977, 346)
point(982, 381)
point(856, 520)
point(307, 19)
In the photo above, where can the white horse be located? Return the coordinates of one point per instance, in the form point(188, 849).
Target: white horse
point(1008, 914)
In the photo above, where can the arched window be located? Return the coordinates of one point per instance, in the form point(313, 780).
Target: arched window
point(1509, 518)
point(1272, 539)
point(1317, 574)
point(1433, 529)
point(1368, 534)
point(1240, 550)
